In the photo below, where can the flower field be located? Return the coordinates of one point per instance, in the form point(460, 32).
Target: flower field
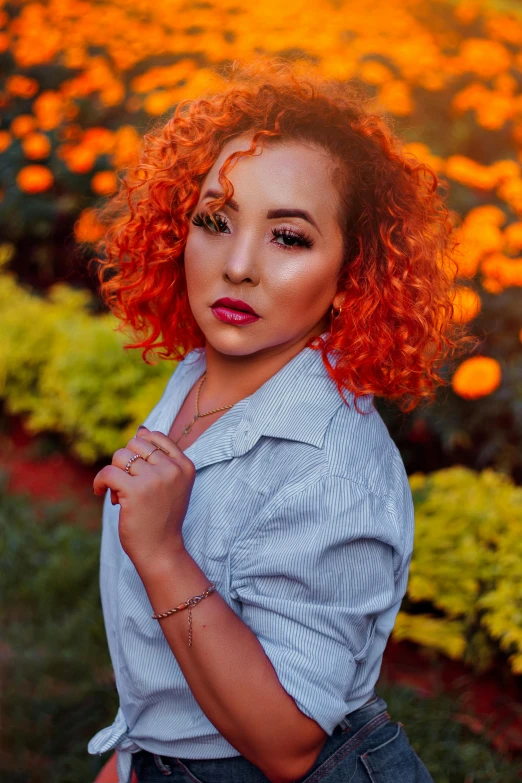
point(82, 82)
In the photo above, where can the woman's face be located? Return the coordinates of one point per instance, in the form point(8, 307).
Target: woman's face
point(277, 247)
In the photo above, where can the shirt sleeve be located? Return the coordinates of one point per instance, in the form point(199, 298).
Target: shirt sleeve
point(312, 575)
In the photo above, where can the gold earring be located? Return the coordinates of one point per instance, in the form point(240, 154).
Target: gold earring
point(337, 314)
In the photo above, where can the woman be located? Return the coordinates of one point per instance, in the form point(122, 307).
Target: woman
point(275, 240)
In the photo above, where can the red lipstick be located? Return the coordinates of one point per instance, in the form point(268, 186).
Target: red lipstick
point(234, 311)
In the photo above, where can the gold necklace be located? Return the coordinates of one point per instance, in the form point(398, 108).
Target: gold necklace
point(199, 415)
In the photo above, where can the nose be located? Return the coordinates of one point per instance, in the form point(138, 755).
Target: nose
point(242, 263)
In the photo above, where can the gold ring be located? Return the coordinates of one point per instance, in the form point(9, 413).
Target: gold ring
point(151, 452)
point(129, 463)
point(160, 447)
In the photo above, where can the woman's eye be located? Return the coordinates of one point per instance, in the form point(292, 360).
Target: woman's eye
point(291, 238)
point(212, 222)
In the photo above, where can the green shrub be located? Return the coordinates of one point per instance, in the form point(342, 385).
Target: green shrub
point(467, 564)
point(57, 682)
point(67, 372)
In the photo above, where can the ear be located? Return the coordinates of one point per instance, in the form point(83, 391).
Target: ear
point(338, 300)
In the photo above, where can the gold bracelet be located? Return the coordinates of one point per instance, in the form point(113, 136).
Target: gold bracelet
point(188, 604)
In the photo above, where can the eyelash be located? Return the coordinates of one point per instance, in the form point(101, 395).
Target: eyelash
point(202, 218)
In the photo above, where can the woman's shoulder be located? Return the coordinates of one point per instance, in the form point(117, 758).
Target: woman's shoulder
point(359, 447)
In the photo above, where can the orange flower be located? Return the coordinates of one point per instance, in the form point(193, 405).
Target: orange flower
point(507, 271)
point(511, 191)
point(87, 228)
point(466, 304)
point(36, 145)
point(48, 108)
point(491, 285)
point(5, 140)
point(471, 173)
point(476, 377)
point(158, 102)
point(34, 178)
point(484, 57)
point(374, 72)
point(100, 140)
point(80, 159)
point(395, 96)
point(24, 123)
point(104, 183)
point(5, 42)
point(478, 236)
point(21, 86)
point(513, 237)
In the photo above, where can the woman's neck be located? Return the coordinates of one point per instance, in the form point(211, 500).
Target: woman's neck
point(231, 378)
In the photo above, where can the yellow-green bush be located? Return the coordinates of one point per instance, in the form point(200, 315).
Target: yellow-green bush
point(66, 371)
point(467, 564)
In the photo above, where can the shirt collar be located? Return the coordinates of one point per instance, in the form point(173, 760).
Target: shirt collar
point(296, 403)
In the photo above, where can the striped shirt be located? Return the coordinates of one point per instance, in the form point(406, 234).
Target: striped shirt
point(301, 513)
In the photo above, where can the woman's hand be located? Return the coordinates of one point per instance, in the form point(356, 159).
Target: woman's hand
point(153, 496)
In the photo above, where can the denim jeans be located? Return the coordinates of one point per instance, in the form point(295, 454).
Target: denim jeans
point(367, 747)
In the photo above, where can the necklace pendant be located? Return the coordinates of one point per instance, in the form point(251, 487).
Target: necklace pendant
point(186, 430)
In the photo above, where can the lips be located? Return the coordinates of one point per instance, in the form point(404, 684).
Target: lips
point(235, 304)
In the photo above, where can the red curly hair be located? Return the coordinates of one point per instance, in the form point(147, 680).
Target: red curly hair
point(395, 330)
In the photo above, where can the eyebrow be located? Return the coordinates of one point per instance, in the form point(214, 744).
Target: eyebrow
point(272, 213)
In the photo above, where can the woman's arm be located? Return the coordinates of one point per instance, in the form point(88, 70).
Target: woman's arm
point(230, 675)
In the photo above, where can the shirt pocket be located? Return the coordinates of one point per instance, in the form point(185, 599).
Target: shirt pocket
point(363, 653)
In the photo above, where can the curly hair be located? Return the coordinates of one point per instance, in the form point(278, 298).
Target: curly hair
point(396, 327)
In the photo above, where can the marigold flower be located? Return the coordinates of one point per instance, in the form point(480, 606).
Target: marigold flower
point(24, 123)
point(104, 182)
point(484, 57)
point(49, 109)
point(5, 140)
point(34, 178)
point(491, 285)
point(112, 94)
point(486, 214)
point(158, 103)
point(478, 236)
point(466, 303)
point(101, 140)
point(87, 228)
point(126, 142)
point(469, 172)
point(21, 86)
point(36, 145)
point(374, 72)
point(510, 190)
point(80, 159)
point(395, 95)
point(513, 237)
point(507, 271)
point(476, 377)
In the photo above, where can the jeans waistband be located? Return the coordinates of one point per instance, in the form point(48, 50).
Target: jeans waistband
point(358, 718)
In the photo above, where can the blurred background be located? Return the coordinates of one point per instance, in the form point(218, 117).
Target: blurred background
point(81, 81)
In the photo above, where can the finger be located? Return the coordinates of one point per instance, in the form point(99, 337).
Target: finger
point(161, 440)
point(175, 455)
point(111, 477)
point(152, 454)
point(138, 467)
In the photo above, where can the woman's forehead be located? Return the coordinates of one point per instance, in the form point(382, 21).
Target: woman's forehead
point(282, 170)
